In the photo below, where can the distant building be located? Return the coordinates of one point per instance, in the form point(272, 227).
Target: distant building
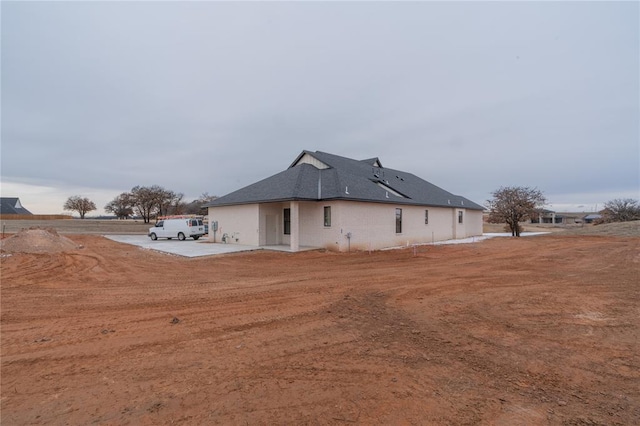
point(11, 205)
point(552, 218)
point(590, 218)
point(546, 216)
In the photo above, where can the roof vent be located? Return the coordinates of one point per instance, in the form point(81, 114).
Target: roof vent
point(449, 201)
point(387, 195)
point(346, 190)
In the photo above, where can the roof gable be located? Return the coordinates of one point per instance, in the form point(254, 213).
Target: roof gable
point(375, 162)
point(12, 205)
point(308, 158)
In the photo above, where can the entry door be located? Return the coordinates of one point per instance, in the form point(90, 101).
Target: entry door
point(272, 231)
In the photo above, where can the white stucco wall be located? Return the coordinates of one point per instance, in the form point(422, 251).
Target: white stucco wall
point(372, 225)
point(274, 210)
point(313, 233)
point(240, 223)
point(473, 223)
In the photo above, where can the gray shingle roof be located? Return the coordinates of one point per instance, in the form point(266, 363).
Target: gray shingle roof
point(11, 205)
point(345, 179)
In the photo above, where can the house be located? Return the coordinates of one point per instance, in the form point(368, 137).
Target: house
point(593, 217)
point(12, 205)
point(550, 217)
point(545, 216)
point(328, 201)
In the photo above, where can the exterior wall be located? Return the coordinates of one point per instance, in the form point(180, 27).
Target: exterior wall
point(311, 227)
point(313, 233)
point(277, 237)
point(371, 226)
point(240, 223)
point(473, 220)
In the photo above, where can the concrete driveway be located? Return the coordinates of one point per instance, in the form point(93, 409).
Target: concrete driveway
point(187, 248)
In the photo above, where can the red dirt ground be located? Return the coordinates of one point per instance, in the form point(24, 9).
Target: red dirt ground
point(537, 330)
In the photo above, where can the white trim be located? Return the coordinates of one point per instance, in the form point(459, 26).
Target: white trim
point(310, 159)
point(386, 188)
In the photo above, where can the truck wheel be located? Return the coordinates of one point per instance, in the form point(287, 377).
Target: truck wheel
point(195, 237)
point(181, 236)
point(153, 236)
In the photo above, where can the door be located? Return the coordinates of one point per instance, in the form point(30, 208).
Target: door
point(160, 230)
point(272, 230)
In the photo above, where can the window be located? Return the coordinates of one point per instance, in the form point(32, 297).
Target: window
point(327, 215)
point(426, 217)
point(460, 215)
point(287, 221)
point(398, 221)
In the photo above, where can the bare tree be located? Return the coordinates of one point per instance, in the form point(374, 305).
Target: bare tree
point(164, 199)
point(513, 204)
point(195, 207)
point(621, 210)
point(205, 197)
point(177, 205)
point(79, 204)
point(121, 206)
point(145, 201)
point(150, 201)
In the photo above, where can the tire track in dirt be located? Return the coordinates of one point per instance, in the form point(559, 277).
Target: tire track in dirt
point(489, 333)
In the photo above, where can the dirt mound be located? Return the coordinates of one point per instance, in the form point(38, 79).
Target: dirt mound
point(37, 240)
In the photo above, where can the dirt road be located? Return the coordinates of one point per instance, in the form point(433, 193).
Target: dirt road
point(542, 330)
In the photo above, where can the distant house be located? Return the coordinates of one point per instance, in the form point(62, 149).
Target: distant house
point(550, 217)
point(11, 205)
point(590, 218)
point(328, 201)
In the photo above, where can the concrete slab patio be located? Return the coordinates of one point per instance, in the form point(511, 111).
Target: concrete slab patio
point(191, 248)
point(202, 247)
point(187, 248)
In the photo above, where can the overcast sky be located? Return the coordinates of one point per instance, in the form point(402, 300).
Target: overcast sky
point(210, 97)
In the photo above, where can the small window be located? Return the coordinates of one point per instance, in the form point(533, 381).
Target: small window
point(327, 216)
point(460, 216)
point(426, 217)
point(398, 221)
point(287, 221)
